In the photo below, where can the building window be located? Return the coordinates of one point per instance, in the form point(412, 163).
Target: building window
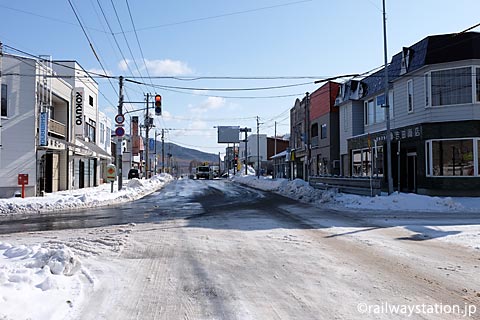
point(345, 119)
point(4, 100)
point(361, 163)
point(369, 112)
point(451, 87)
point(314, 135)
point(314, 131)
point(427, 90)
point(478, 84)
point(102, 133)
point(379, 110)
point(90, 130)
point(365, 113)
point(108, 137)
point(374, 110)
point(90, 100)
point(323, 132)
point(410, 95)
point(390, 103)
point(378, 161)
point(448, 158)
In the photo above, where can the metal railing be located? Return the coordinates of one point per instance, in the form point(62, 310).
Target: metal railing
point(370, 186)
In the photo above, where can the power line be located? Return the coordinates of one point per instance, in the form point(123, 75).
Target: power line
point(227, 89)
point(53, 76)
point(90, 43)
point(125, 38)
point(138, 42)
point(223, 15)
point(116, 42)
point(209, 119)
point(191, 78)
point(45, 17)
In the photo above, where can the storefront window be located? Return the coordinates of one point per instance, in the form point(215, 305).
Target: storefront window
point(378, 169)
point(452, 158)
point(361, 163)
point(478, 156)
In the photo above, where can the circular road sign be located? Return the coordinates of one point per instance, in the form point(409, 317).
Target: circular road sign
point(119, 131)
point(119, 118)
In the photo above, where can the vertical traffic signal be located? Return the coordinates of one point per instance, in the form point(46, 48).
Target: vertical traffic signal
point(158, 105)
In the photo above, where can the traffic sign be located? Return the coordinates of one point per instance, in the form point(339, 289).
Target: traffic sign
point(119, 131)
point(119, 118)
point(111, 173)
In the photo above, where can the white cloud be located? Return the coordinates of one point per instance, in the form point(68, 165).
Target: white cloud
point(166, 115)
point(211, 103)
point(167, 67)
point(123, 64)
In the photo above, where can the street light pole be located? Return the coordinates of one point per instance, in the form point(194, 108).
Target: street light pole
point(147, 129)
point(120, 139)
point(258, 149)
point(387, 106)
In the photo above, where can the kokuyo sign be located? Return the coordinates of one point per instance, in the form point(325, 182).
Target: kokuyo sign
point(78, 102)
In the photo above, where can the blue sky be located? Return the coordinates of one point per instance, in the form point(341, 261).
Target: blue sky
point(231, 39)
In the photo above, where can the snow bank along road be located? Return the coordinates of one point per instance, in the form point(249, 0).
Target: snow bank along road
point(220, 251)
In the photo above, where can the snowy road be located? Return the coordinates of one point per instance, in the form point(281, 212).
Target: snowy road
point(216, 250)
point(261, 256)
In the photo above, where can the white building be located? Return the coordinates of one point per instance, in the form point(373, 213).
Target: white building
point(49, 118)
point(87, 161)
point(253, 153)
point(35, 133)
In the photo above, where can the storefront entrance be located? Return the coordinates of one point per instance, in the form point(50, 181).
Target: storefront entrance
point(411, 172)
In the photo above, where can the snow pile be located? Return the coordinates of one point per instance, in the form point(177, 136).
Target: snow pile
point(402, 201)
point(300, 190)
point(45, 282)
point(85, 198)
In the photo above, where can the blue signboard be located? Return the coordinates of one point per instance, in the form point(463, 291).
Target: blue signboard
point(151, 144)
point(43, 136)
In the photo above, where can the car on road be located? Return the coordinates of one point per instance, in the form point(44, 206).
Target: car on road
point(133, 173)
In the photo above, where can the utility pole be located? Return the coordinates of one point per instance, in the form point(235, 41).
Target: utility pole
point(147, 129)
point(307, 134)
point(163, 153)
point(275, 149)
point(387, 107)
point(235, 159)
point(246, 144)
point(258, 149)
point(119, 139)
point(155, 171)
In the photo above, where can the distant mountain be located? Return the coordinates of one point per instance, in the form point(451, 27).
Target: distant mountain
point(183, 157)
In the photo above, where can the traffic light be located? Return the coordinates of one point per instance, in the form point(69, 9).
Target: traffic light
point(158, 105)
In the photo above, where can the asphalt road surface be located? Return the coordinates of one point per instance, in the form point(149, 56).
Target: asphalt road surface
point(216, 250)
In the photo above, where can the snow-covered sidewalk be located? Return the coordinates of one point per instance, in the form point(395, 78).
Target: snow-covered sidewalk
point(300, 190)
point(85, 198)
point(44, 278)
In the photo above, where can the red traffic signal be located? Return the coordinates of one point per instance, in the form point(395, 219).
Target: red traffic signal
point(158, 100)
point(158, 105)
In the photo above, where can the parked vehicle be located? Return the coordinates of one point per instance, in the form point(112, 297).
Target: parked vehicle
point(133, 173)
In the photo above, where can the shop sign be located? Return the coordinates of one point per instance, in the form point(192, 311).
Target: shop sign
point(43, 130)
